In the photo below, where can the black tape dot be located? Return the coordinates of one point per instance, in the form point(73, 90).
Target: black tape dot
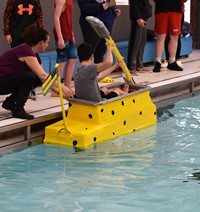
point(102, 110)
point(95, 139)
point(124, 122)
point(113, 112)
point(122, 103)
point(140, 112)
point(75, 143)
point(90, 116)
point(133, 100)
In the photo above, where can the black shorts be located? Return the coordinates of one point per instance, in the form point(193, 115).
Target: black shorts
point(110, 95)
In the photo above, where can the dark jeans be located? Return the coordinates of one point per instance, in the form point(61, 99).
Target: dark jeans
point(136, 45)
point(98, 43)
point(19, 85)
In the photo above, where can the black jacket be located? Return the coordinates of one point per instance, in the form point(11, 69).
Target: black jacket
point(140, 9)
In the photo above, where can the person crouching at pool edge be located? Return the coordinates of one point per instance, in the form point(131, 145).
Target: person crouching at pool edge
point(21, 71)
point(88, 75)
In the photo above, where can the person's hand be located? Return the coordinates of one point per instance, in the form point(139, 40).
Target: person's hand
point(67, 92)
point(141, 23)
point(117, 12)
point(117, 65)
point(8, 39)
point(61, 44)
point(111, 3)
point(109, 48)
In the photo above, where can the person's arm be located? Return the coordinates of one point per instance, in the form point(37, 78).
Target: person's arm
point(59, 5)
point(108, 71)
point(107, 62)
point(137, 13)
point(34, 65)
point(39, 15)
point(6, 21)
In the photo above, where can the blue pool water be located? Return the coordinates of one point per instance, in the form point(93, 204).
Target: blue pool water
point(145, 171)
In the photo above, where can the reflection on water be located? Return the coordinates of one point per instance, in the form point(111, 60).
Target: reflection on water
point(165, 113)
point(115, 160)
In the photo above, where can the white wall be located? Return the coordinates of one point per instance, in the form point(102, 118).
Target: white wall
point(121, 2)
point(187, 11)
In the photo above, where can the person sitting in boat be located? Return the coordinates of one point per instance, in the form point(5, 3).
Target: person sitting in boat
point(88, 75)
point(21, 71)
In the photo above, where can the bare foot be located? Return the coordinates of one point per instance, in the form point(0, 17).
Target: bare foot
point(126, 88)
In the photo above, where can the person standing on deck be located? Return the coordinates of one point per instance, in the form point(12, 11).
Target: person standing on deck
point(106, 12)
point(64, 38)
point(140, 11)
point(18, 15)
point(178, 52)
point(168, 17)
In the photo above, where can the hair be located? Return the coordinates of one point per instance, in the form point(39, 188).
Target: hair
point(33, 35)
point(85, 51)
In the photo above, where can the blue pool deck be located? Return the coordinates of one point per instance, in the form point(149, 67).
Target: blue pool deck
point(165, 87)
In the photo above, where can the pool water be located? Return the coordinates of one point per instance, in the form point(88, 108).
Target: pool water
point(144, 171)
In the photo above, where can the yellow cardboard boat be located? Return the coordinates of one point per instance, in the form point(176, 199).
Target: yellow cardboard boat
point(88, 123)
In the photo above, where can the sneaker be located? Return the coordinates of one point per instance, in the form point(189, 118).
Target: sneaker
point(174, 66)
point(157, 67)
point(32, 95)
point(134, 72)
point(8, 105)
point(22, 114)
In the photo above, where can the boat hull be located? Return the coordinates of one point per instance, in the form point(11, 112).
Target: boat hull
point(89, 123)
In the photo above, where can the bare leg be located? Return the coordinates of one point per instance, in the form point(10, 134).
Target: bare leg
point(120, 91)
point(69, 72)
point(105, 90)
point(160, 45)
point(159, 50)
point(173, 43)
point(69, 69)
point(172, 47)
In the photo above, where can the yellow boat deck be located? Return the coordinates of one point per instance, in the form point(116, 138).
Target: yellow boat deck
point(165, 87)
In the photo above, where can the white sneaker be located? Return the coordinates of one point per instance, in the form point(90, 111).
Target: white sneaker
point(32, 95)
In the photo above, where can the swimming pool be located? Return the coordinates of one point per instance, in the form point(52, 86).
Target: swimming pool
point(145, 171)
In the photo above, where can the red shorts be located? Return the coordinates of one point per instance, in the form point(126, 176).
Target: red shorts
point(168, 23)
